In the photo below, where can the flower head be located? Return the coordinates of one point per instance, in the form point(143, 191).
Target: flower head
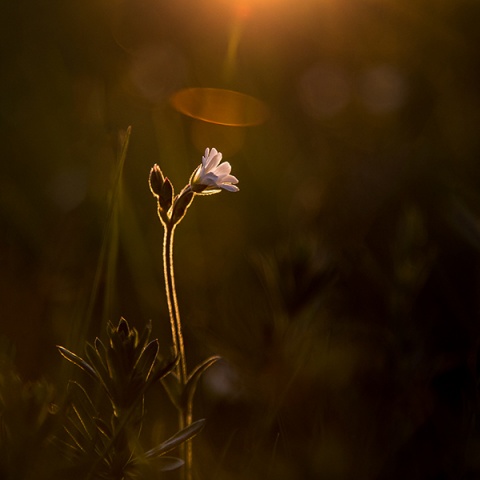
point(212, 176)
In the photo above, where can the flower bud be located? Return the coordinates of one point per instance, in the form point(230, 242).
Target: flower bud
point(180, 206)
point(156, 180)
point(166, 195)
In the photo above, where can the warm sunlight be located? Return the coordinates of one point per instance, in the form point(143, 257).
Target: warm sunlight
point(240, 240)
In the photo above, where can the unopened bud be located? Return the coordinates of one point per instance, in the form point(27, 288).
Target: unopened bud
point(165, 198)
point(156, 180)
point(180, 206)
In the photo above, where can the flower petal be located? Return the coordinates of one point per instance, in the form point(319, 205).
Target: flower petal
point(215, 160)
point(212, 159)
point(230, 188)
point(223, 169)
point(211, 175)
point(206, 156)
point(228, 179)
point(209, 179)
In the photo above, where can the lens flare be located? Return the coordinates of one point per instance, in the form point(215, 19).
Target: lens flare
point(223, 107)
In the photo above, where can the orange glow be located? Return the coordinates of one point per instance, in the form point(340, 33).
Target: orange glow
point(245, 9)
point(242, 9)
point(245, 6)
point(223, 107)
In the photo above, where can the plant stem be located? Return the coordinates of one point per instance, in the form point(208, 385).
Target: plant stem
point(175, 322)
point(185, 413)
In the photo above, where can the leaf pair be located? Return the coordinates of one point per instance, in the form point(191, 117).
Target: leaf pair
point(182, 397)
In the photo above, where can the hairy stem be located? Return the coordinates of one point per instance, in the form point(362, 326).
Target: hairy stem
point(185, 414)
point(175, 322)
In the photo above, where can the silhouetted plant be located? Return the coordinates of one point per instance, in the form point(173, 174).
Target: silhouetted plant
point(211, 176)
point(106, 444)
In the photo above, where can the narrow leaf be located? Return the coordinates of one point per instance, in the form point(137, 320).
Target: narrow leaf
point(180, 437)
point(144, 337)
point(166, 464)
point(81, 417)
point(161, 370)
point(194, 377)
point(146, 360)
point(98, 365)
point(76, 444)
point(78, 361)
point(79, 397)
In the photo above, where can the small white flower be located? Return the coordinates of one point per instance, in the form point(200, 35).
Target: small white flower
point(211, 176)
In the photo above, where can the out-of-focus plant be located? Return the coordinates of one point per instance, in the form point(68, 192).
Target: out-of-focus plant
point(26, 421)
point(105, 444)
point(211, 176)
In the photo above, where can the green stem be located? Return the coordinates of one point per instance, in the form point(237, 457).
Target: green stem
point(185, 413)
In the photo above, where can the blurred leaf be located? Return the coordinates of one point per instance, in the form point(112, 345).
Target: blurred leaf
point(95, 358)
point(144, 336)
point(146, 360)
point(26, 422)
point(166, 464)
point(194, 377)
point(164, 369)
point(82, 443)
point(180, 437)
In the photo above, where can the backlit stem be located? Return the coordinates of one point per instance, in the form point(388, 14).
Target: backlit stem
point(175, 322)
point(185, 413)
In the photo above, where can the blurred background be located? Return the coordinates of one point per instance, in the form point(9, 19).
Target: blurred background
point(340, 285)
